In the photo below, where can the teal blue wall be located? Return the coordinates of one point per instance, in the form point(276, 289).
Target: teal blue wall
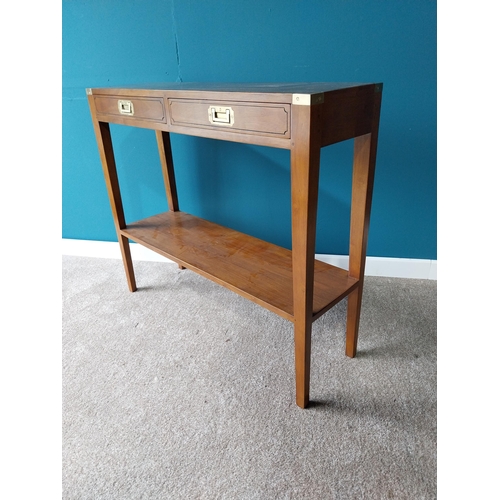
point(120, 42)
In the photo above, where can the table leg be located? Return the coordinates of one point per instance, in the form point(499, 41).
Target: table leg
point(167, 167)
point(365, 152)
point(363, 175)
point(305, 155)
point(105, 146)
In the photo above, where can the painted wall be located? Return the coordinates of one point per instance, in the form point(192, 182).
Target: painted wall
point(120, 42)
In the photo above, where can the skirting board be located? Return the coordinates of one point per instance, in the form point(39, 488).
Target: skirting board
point(375, 266)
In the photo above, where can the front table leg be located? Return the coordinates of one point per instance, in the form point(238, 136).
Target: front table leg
point(305, 155)
point(105, 145)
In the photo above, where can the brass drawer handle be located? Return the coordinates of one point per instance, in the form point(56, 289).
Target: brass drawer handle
point(221, 115)
point(126, 108)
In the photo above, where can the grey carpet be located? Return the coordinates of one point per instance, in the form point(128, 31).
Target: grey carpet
point(184, 390)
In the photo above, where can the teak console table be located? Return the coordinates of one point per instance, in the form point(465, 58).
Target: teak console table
point(300, 117)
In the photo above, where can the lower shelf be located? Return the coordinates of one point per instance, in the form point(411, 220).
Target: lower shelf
point(253, 268)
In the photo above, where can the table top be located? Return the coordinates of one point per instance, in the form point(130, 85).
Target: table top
point(253, 88)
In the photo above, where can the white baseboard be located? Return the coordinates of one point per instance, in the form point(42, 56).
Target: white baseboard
point(375, 266)
point(389, 267)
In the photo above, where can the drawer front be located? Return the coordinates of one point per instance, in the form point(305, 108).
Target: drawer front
point(248, 118)
point(139, 108)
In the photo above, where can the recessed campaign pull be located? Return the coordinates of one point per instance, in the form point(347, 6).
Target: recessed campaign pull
point(126, 108)
point(220, 115)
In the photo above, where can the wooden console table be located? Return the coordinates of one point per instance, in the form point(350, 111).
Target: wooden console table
point(300, 117)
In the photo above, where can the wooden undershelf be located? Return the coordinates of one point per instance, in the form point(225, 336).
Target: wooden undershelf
point(253, 268)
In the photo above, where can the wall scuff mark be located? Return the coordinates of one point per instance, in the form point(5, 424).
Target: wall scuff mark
point(174, 28)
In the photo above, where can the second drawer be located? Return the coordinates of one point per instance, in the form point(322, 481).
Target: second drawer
point(250, 118)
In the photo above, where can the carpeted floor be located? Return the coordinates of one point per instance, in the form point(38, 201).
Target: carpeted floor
point(184, 390)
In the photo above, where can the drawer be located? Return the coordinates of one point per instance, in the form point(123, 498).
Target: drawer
point(240, 117)
point(140, 108)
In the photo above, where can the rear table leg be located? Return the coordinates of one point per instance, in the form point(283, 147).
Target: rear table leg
point(167, 167)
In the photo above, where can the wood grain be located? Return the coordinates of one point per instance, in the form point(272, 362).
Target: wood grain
point(253, 268)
